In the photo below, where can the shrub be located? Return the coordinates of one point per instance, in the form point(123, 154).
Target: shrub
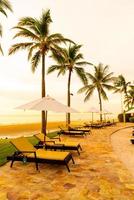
point(127, 116)
point(131, 119)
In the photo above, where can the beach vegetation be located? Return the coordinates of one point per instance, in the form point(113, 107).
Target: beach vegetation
point(5, 5)
point(100, 80)
point(39, 43)
point(68, 61)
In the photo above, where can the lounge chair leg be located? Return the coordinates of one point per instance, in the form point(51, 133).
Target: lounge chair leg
point(12, 163)
point(67, 167)
point(36, 163)
point(13, 159)
point(73, 160)
point(78, 151)
point(80, 148)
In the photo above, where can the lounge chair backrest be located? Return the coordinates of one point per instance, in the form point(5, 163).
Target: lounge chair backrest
point(40, 136)
point(22, 144)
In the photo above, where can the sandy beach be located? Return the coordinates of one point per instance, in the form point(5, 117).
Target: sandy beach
point(98, 174)
point(27, 129)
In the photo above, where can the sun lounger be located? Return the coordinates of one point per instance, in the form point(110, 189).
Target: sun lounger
point(72, 133)
point(27, 152)
point(79, 129)
point(132, 141)
point(57, 145)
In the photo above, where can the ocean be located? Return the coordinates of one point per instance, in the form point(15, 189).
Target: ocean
point(28, 118)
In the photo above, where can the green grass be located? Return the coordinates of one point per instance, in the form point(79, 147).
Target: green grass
point(7, 149)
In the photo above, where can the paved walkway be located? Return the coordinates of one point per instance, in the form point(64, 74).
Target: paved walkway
point(124, 148)
point(97, 175)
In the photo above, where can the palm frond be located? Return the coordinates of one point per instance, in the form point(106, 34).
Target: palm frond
point(81, 74)
point(3, 11)
point(35, 60)
point(5, 4)
point(108, 87)
point(25, 33)
point(1, 51)
point(89, 94)
point(31, 49)
point(19, 46)
point(103, 94)
point(81, 63)
point(59, 68)
point(0, 30)
point(91, 77)
point(83, 89)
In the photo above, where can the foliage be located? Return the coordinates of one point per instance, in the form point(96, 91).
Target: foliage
point(39, 43)
point(101, 80)
point(4, 6)
point(129, 99)
point(40, 40)
point(127, 116)
point(131, 119)
point(69, 60)
point(121, 84)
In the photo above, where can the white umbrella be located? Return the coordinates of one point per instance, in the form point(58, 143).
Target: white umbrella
point(93, 110)
point(47, 104)
point(105, 112)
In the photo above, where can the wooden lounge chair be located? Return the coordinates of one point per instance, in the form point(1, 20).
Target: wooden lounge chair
point(132, 141)
point(27, 152)
point(56, 145)
point(80, 129)
point(72, 133)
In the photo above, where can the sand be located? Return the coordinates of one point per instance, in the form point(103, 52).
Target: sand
point(98, 174)
point(29, 129)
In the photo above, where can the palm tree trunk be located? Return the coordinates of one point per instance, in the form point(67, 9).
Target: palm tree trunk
point(100, 102)
point(43, 124)
point(68, 97)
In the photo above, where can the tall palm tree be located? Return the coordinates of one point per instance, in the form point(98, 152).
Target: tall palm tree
point(4, 6)
point(39, 44)
point(121, 86)
point(100, 80)
point(129, 99)
point(70, 60)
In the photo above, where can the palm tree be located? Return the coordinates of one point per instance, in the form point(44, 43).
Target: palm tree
point(121, 86)
point(4, 6)
point(129, 99)
point(70, 60)
point(41, 42)
point(99, 80)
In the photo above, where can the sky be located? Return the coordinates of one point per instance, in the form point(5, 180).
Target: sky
point(105, 29)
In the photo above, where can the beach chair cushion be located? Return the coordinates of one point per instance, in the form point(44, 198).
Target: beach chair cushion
point(22, 144)
point(40, 136)
point(50, 155)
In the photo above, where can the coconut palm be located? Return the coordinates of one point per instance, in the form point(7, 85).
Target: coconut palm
point(4, 6)
point(121, 86)
point(129, 99)
point(40, 43)
point(70, 60)
point(100, 80)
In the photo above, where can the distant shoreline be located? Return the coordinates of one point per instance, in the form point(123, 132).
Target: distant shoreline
point(13, 130)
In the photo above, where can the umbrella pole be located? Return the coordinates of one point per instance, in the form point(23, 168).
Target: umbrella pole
point(92, 117)
point(45, 128)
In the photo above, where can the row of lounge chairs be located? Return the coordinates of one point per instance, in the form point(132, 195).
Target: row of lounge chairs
point(99, 125)
point(42, 152)
point(74, 131)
